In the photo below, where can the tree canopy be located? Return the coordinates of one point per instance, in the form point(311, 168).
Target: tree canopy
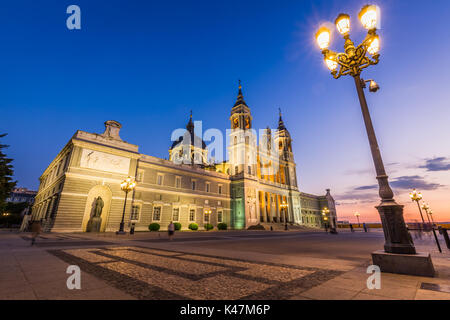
point(6, 173)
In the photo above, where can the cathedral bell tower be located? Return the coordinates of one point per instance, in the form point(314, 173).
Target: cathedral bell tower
point(242, 151)
point(287, 166)
point(240, 113)
point(283, 141)
point(242, 147)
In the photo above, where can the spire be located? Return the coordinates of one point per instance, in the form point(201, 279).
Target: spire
point(190, 125)
point(280, 121)
point(240, 97)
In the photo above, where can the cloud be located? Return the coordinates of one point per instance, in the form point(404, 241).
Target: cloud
point(437, 164)
point(355, 197)
point(370, 170)
point(411, 182)
point(369, 193)
point(374, 186)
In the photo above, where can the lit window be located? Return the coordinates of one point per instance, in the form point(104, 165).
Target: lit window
point(176, 214)
point(159, 180)
point(135, 210)
point(192, 215)
point(140, 176)
point(157, 213)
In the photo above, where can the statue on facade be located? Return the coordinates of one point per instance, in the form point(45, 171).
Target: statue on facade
point(95, 221)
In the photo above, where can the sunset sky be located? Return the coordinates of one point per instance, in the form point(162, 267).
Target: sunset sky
point(146, 64)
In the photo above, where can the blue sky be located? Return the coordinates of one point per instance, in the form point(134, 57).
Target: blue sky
point(146, 64)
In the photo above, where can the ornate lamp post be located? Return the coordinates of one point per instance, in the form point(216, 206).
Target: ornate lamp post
point(426, 207)
point(430, 213)
point(127, 185)
point(352, 62)
point(417, 196)
point(284, 207)
point(357, 217)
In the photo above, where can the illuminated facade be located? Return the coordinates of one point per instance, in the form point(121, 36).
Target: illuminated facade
point(256, 185)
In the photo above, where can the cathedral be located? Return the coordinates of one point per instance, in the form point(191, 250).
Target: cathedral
point(255, 186)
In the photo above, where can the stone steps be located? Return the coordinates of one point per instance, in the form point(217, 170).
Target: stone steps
point(281, 227)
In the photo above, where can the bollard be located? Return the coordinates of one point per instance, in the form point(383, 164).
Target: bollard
point(132, 228)
point(444, 232)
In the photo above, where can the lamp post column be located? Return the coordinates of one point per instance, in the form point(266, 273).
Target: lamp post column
point(122, 223)
point(432, 227)
point(397, 237)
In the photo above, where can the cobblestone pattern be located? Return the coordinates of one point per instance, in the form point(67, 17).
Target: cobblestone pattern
point(162, 274)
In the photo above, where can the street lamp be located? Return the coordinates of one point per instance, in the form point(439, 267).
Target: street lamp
point(207, 213)
point(430, 212)
point(284, 207)
point(325, 212)
point(332, 226)
point(357, 217)
point(417, 196)
point(426, 208)
point(126, 185)
point(352, 62)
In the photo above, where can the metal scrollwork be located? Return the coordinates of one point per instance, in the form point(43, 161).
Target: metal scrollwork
point(353, 60)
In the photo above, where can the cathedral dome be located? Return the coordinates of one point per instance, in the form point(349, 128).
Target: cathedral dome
point(189, 137)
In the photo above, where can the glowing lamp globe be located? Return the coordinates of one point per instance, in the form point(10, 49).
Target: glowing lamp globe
point(331, 63)
point(374, 46)
point(323, 38)
point(343, 23)
point(415, 196)
point(369, 16)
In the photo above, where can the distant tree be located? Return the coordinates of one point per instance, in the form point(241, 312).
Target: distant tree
point(6, 173)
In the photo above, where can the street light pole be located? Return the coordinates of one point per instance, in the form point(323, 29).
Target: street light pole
point(426, 208)
point(430, 212)
point(127, 185)
point(122, 223)
point(284, 207)
point(352, 62)
point(357, 217)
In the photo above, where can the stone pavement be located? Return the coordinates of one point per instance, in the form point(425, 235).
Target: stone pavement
point(209, 265)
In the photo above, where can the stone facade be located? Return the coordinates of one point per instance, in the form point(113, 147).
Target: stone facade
point(258, 184)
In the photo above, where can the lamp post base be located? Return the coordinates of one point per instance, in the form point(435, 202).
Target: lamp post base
point(121, 232)
point(418, 264)
point(397, 237)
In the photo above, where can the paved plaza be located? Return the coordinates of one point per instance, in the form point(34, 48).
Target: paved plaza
point(249, 265)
